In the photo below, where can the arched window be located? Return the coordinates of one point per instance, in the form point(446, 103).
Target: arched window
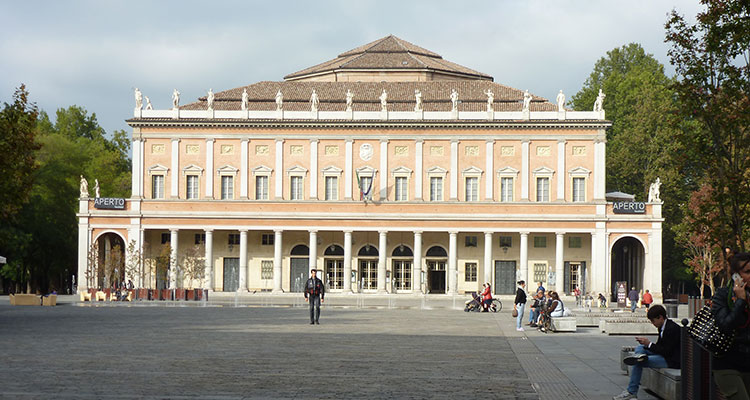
point(300, 250)
point(368, 251)
point(334, 250)
point(402, 251)
point(436, 251)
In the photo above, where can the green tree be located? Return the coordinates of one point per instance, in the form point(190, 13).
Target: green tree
point(712, 60)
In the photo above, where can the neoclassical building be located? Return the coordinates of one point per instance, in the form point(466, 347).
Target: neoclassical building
point(391, 170)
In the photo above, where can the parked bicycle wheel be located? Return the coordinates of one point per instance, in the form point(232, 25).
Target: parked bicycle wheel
point(496, 305)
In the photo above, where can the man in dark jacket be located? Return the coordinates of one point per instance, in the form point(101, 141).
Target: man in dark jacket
point(633, 297)
point(665, 353)
point(314, 294)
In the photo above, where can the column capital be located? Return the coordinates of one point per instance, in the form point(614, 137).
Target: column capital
point(349, 232)
point(243, 231)
point(525, 141)
point(383, 232)
point(244, 140)
point(312, 231)
point(418, 233)
point(561, 141)
point(488, 233)
point(210, 140)
point(382, 140)
point(455, 141)
point(490, 141)
point(173, 230)
point(419, 141)
point(279, 140)
point(210, 230)
point(176, 140)
point(560, 233)
point(524, 233)
point(453, 233)
point(348, 140)
point(278, 231)
point(314, 140)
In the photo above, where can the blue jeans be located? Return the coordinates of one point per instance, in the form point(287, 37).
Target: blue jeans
point(519, 318)
point(654, 361)
point(533, 315)
point(633, 305)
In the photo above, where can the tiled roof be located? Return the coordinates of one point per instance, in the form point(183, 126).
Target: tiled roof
point(389, 53)
point(332, 95)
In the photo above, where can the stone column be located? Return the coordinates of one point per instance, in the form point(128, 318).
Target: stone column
point(84, 247)
point(561, 175)
point(347, 260)
point(559, 262)
point(209, 259)
point(279, 173)
point(524, 256)
point(243, 168)
point(417, 267)
point(599, 169)
point(348, 175)
point(313, 258)
point(173, 262)
point(314, 169)
point(137, 175)
point(418, 178)
point(382, 247)
point(175, 173)
point(277, 261)
point(454, 171)
point(525, 170)
point(384, 172)
point(452, 276)
point(210, 168)
point(243, 261)
point(489, 176)
point(487, 258)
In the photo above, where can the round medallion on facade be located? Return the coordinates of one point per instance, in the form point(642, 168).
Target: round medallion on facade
point(365, 152)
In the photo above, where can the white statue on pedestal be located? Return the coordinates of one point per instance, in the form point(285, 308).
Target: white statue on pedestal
point(654, 191)
point(526, 100)
point(454, 100)
point(490, 100)
point(599, 103)
point(244, 100)
point(148, 104)
point(279, 101)
point(210, 99)
point(84, 188)
point(138, 99)
point(175, 99)
point(349, 99)
point(560, 101)
point(384, 101)
point(314, 102)
point(418, 96)
point(96, 187)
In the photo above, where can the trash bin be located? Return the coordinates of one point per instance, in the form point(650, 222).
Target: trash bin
point(671, 307)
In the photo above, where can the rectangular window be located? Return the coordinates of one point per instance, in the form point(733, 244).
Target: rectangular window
point(542, 189)
point(266, 239)
point(332, 188)
point(191, 187)
point(401, 188)
point(200, 238)
point(579, 189)
point(365, 187)
point(506, 241)
point(540, 272)
point(574, 242)
point(436, 189)
point(540, 241)
point(266, 269)
point(234, 239)
point(470, 241)
point(227, 187)
point(402, 274)
point(165, 238)
point(261, 187)
point(471, 272)
point(472, 189)
point(296, 188)
point(506, 189)
point(157, 187)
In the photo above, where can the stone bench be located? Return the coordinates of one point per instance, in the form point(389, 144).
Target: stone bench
point(591, 318)
point(564, 324)
point(627, 326)
point(664, 382)
point(49, 300)
point(22, 299)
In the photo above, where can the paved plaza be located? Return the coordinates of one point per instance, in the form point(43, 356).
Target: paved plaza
point(412, 349)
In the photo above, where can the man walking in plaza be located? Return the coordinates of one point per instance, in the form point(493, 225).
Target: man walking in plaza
point(314, 294)
point(633, 297)
point(665, 353)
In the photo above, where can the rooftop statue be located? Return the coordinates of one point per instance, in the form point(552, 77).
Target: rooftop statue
point(526, 100)
point(138, 99)
point(418, 96)
point(175, 99)
point(384, 101)
point(599, 103)
point(148, 103)
point(454, 100)
point(349, 99)
point(244, 100)
point(560, 101)
point(654, 191)
point(279, 101)
point(96, 187)
point(490, 99)
point(314, 102)
point(84, 187)
point(210, 99)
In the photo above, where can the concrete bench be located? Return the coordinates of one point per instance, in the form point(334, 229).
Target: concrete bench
point(25, 299)
point(85, 296)
point(564, 324)
point(49, 300)
point(627, 326)
point(591, 318)
point(664, 382)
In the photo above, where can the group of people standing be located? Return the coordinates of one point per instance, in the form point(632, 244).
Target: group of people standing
point(543, 301)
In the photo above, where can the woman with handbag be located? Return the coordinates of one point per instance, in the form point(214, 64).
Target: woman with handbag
point(730, 310)
point(518, 305)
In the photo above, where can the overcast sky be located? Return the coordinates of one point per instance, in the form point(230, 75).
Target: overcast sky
point(93, 53)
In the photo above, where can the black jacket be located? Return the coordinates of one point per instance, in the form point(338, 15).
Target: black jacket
point(520, 297)
point(668, 345)
point(315, 288)
point(732, 319)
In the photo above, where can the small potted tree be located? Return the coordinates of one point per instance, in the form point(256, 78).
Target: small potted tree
point(194, 269)
point(162, 262)
point(133, 268)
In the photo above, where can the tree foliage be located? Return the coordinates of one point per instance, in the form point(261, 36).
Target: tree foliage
point(712, 60)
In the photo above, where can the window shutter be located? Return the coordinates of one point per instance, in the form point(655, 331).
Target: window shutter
point(566, 274)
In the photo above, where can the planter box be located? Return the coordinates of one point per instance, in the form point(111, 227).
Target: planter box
point(107, 294)
point(142, 294)
point(165, 294)
point(190, 294)
point(179, 294)
point(201, 294)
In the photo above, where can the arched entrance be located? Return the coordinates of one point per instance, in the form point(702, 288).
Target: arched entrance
point(367, 258)
point(109, 269)
point(436, 258)
point(403, 259)
point(299, 263)
point(333, 260)
point(627, 264)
